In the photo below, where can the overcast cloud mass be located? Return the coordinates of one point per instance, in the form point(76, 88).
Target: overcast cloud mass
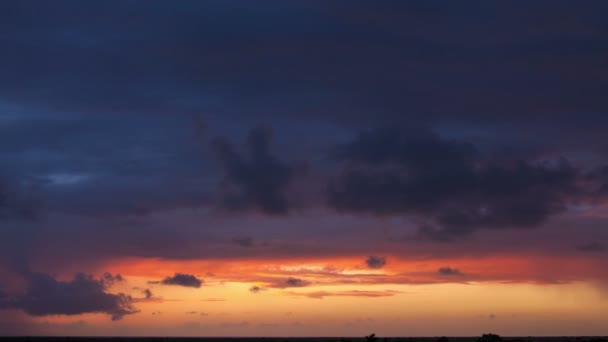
point(242, 133)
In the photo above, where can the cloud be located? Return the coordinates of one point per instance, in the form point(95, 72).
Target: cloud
point(448, 271)
point(239, 76)
point(256, 289)
point(375, 262)
point(258, 181)
point(147, 293)
point(451, 185)
point(181, 279)
point(18, 202)
point(109, 279)
point(592, 247)
point(213, 300)
point(67, 177)
point(244, 241)
point(134, 159)
point(352, 293)
point(599, 175)
point(83, 294)
point(296, 282)
point(148, 297)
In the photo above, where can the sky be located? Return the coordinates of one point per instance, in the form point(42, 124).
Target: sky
point(303, 168)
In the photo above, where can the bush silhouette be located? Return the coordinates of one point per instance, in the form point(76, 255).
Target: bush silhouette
point(371, 338)
point(443, 339)
point(489, 338)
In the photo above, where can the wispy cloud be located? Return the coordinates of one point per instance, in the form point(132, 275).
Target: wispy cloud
point(352, 293)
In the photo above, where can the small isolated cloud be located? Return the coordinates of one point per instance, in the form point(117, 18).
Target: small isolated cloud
point(448, 271)
point(592, 247)
point(375, 262)
point(46, 296)
point(256, 289)
point(147, 293)
point(109, 280)
point(182, 279)
point(244, 241)
point(296, 282)
point(213, 300)
point(491, 316)
point(353, 293)
point(148, 297)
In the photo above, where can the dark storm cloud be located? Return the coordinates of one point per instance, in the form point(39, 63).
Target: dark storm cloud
point(392, 171)
point(375, 262)
point(258, 180)
point(395, 61)
point(448, 271)
point(84, 294)
point(181, 279)
point(317, 57)
point(102, 108)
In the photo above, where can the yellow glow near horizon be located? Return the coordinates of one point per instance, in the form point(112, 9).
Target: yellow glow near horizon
point(343, 297)
point(230, 309)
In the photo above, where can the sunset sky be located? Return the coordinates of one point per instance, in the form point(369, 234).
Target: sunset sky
point(303, 168)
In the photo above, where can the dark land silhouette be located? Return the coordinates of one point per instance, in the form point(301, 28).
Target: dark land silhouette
point(370, 338)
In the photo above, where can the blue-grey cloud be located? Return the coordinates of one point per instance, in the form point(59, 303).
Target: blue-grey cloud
point(295, 282)
point(181, 279)
point(449, 271)
point(459, 189)
point(45, 296)
point(375, 261)
point(258, 180)
point(256, 289)
point(125, 67)
point(106, 119)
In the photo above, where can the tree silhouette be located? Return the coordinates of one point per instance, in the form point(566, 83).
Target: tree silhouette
point(489, 338)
